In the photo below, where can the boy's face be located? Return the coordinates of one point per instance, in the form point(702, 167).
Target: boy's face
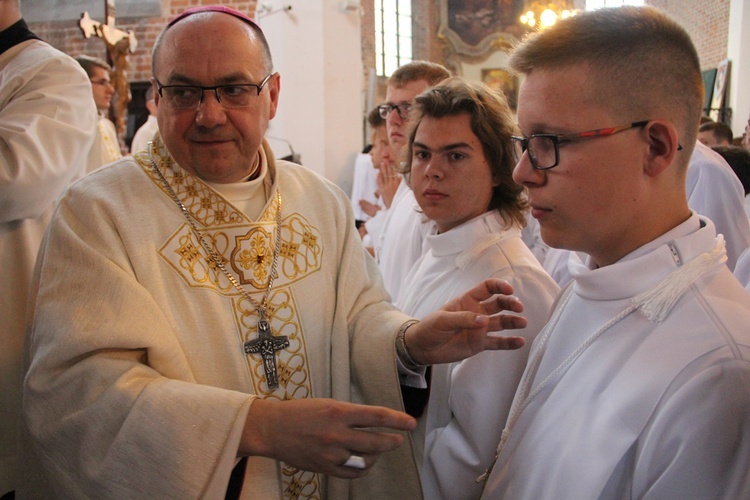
point(101, 86)
point(396, 124)
point(593, 199)
point(450, 176)
point(381, 148)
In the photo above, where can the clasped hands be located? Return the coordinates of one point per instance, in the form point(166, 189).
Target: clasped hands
point(321, 434)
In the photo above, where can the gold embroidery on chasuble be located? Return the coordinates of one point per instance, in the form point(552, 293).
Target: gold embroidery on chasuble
point(246, 248)
point(111, 147)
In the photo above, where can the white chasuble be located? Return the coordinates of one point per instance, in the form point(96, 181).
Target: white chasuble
point(246, 247)
point(139, 381)
point(47, 128)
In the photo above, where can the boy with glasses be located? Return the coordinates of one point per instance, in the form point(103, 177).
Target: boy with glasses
point(399, 244)
point(639, 385)
point(102, 89)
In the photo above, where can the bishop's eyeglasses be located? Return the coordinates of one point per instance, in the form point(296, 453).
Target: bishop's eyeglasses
point(235, 95)
point(544, 149)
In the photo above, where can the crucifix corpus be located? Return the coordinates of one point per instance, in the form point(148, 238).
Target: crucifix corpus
point(266, 344)
point(119, 44)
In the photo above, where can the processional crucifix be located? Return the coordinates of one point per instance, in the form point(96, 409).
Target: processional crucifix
point(119, 43)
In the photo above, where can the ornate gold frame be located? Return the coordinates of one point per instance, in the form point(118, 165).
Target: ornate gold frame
point(457, 50)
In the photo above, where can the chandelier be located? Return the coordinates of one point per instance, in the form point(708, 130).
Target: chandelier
point(540, 15)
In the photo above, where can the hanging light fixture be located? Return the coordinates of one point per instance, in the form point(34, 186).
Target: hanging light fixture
point(540, 14)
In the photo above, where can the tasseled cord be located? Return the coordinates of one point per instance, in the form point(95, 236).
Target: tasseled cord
point(656, 303)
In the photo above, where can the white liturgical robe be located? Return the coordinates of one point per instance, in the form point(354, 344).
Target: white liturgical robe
point(138, 383)
point(109, 141)
point(144, 134)
point(713, 190)
point(47, 128)
point(742, 269)
point(650, 403)
point(364, 185)
point(399, 242)
point(469, 400)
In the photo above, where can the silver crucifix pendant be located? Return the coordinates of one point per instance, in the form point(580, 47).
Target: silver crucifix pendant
point(266, 345)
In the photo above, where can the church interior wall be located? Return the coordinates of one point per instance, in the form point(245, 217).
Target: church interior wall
point(315, 86)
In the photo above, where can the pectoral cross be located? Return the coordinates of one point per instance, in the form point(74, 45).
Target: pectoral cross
point(266, 345)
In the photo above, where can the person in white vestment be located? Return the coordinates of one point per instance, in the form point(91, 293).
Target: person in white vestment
point(738, 159)
point(460, 166)
point(206, 322)
point(366, 198)
point(713, 134)
point(384, 158)
point(713, 190)
point(532, 237)
point(639, 385)
point(47, 128)
point(742, 269)
point(150, 127)
point(399, 243)
point(102, 90)
point(383, 164)
point(364, 187)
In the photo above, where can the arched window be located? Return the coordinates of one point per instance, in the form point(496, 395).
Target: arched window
point(393, 36)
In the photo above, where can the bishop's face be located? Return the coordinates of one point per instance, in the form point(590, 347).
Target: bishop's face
point(215, 143)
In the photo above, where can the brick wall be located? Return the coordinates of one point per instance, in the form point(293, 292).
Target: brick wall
point(706, 20)
point(66, 36)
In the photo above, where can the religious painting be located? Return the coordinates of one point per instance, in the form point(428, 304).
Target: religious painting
point(475, 20)
point(501, 80)
point(720, 86)
point(709, 78)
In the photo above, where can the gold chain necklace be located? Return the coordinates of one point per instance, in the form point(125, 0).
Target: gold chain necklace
point(266, 344)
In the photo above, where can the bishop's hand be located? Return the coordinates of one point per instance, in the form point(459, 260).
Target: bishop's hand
point(320, 435)
point(460, 328)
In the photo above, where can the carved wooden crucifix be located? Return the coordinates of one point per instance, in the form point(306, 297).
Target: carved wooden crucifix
point(119, 43)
